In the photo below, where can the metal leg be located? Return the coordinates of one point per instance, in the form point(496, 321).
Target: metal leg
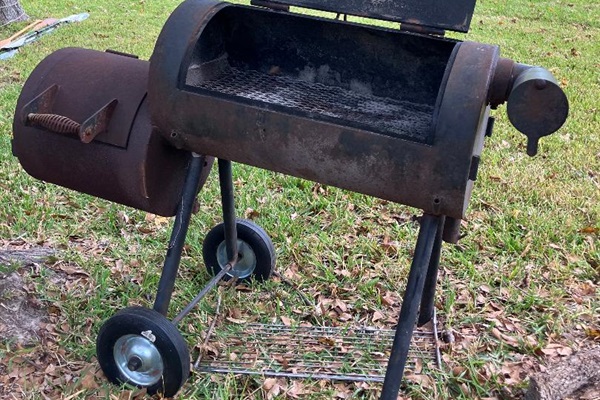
point(428, 299)
point(213, 282)
point(410, 306)
point(227, 201)
point(178, 234)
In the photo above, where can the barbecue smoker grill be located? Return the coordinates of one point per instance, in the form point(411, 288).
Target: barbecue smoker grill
point(400, 114)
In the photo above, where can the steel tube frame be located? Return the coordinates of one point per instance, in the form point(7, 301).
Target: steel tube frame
point(410, 305)
point(211, 284)
point(420, 288)
point(228, 204)
point(428, 298)
point(178, 234)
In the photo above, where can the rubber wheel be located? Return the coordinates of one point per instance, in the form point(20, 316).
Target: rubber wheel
point(256, 254)
point(141, 347)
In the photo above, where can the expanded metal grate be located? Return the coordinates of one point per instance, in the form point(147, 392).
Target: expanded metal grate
point(353, 106)
point(346, 354)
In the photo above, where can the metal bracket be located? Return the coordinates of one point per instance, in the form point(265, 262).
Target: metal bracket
point(41, 104)
point(97, 123)
point(272, 6)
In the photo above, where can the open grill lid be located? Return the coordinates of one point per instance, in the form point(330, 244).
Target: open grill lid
point(452, 15)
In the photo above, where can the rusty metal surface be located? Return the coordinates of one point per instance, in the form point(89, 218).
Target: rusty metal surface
point(504, 76)
point(269, 4)
point(262, 134)
point(536, 106)
point(461, 130)
point(42, 103)
point(129, 163)
point(54, 123)
point(97, 123)
point(355, 58)
point(87, 131)
point(451, 14)
point(86, 86)
point(383, 115)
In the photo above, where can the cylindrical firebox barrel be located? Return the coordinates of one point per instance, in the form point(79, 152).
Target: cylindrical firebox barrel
point(82, 122)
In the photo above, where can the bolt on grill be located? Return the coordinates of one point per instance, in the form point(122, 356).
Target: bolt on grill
point(399, 114)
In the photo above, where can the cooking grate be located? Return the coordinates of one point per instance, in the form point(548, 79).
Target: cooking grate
point(354, 106)
point(347, 354)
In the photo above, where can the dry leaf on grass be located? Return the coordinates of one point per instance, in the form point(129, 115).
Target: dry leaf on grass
point(557, 349)
point(88, 379)
point(505, 338)
point(273, 387)
point(296, 390)
point(236, 321)
point(593, 333)
point(420, 379)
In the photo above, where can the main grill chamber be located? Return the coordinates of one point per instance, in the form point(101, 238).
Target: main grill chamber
point(373, 110)
point(367, 79)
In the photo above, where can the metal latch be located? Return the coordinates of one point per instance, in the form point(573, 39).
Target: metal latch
point(271, 5)
point(474, 168)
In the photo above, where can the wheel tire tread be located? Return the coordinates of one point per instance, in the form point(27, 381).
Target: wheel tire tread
point(163, 330)
point(247, 231)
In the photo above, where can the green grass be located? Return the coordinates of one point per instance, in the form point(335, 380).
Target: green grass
point(527, 266)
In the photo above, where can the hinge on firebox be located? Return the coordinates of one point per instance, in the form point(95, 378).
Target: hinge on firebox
point(414, 28)
point(271, 5)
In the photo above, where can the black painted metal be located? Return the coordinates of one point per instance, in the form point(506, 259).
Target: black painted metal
point(537, 106)
point(207, 288)
point(428, 298)
point(410, 306)
point(363, 108)
point(227, 201)
point(178, 234)
point(451, 14)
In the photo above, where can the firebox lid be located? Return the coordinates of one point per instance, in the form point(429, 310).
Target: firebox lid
point(452, 15)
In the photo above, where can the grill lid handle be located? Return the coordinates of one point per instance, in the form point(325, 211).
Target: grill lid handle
point(38, 112)
point(536, 105)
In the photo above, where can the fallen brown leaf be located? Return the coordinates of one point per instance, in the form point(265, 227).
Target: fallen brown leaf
point(590, 230)
point(269, 383)
point(593, 333)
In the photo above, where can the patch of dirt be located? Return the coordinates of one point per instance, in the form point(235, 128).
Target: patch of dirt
point(21, 314)
point(36, 364)
point(28, 327)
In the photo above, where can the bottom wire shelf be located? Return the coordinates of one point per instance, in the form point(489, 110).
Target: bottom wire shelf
point(358, 354)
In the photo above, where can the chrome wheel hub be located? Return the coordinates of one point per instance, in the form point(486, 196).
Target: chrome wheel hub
point(138, 360)
point(246, 262)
